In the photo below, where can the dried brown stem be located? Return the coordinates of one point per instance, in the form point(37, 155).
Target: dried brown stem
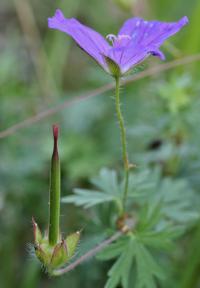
point(49, 112)
point(35, 48)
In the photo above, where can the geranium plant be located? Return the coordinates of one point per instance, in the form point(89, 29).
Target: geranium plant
point(144, 212)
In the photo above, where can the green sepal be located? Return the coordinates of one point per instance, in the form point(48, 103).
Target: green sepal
point(59, 256)
point(72, 242)
point(113, 67)
point(53, 257)
point(37, 233)
point(44, 254)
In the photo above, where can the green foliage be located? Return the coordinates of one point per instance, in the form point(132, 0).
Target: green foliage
point(162, 115)
point(175, 93)
point(173, 199)
point(131, 252)
point(108, 191)
point(120, 271)
point(163, 209)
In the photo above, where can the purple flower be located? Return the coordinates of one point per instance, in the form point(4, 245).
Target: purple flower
point(136, 40)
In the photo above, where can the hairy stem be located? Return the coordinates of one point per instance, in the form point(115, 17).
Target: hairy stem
point(88, 255)
point(123, 141)
point(91, 253)
point(54, 196)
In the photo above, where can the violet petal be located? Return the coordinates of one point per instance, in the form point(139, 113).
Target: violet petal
point(89, 40)
point(147, 37)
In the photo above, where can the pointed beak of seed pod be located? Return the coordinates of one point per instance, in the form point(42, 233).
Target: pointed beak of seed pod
point(55, 137)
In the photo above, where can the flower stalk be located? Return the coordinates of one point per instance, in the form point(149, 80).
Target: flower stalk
point(54, 194)
point(123, 141)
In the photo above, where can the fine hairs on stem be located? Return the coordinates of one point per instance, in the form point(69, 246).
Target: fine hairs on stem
point(91, 253)
point(123, 141)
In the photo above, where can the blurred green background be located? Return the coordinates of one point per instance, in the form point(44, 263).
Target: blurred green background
point(41, 68)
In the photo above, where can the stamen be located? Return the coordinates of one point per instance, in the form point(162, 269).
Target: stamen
point(121, 37)
point(111, 38)
point(117, 39)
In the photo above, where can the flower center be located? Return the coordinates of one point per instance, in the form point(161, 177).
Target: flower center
point(118, 41)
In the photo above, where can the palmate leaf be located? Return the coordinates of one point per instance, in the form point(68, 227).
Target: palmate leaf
point(107, 182)
point(109, 190)
point(163, 209)
point(87, 198)
point(170, 200)
point(120, 271)
point(178, 201)
point(161, 239)
point(113, 250)
point(147, 268)
point(131, 252)
point(143, 183)
point(154, 230)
